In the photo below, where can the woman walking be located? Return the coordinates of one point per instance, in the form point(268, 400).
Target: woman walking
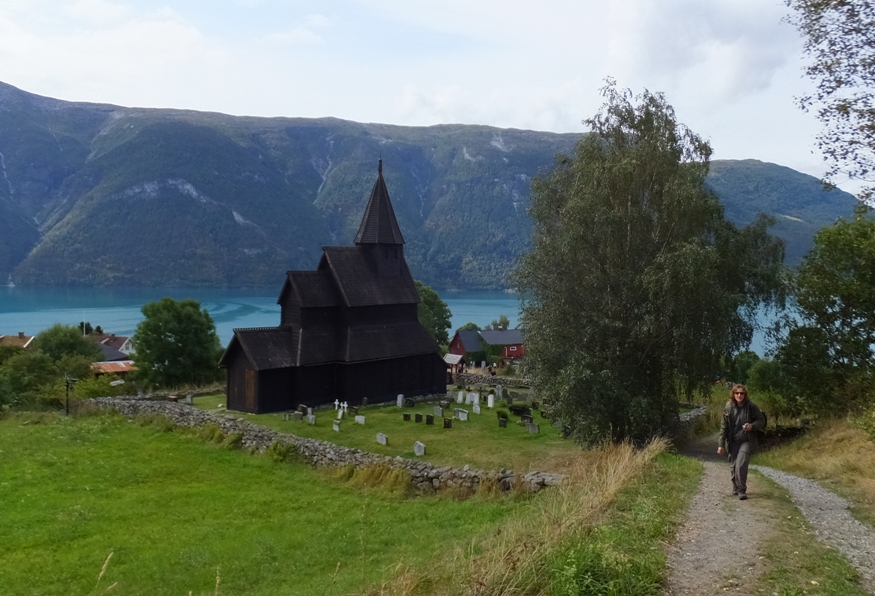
point(741, 419)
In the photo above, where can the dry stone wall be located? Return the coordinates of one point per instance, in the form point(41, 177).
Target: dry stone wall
point(425, 477)
point(472, 379)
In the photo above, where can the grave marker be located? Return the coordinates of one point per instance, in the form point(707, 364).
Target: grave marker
point(311, 419)
point(382, 439)
point(461, 397)
point(336, 426)
point(418, 418)
point(419, 449)
point(533, 428)
point(429, 419)
point(461, 414)
point(298, 416)
point(400, 400)
point(490, 401)
point(476, 408)
point(448, 423)
point(406, 417)
point(360, 419)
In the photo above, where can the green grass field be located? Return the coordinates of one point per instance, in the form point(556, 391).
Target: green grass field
point(478, 442)
point(172, 509)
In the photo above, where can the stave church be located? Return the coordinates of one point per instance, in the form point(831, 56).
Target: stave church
point(348, 329)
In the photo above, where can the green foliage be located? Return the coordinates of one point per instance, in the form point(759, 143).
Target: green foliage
point(176, 344)
point(773, 390)
point(829, 352)
point(65, 340)
point(469, 326)
point(27, 371)
point(500, 324)
point(434, 314)
point(98, 386)
point(739, 366)
point(637, 284)
point(838, 41)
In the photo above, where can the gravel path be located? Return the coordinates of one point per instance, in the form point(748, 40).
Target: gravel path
point(832, 523)
point(700, 562)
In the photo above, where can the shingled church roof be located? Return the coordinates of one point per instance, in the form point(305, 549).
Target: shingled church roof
point(379, 225)
point(358, 282)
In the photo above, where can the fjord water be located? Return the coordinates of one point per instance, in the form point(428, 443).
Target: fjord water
point(117, 310)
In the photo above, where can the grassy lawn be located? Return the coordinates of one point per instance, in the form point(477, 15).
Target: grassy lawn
point(171, 509)
point(478, 442)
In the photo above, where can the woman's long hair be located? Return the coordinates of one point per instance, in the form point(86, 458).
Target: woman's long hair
point(732, 394)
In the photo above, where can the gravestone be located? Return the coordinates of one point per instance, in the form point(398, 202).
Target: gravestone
point(400, 400)
point(476, 408)
point(302, 409)
point(309, 411)
point(360, 419)
point(461, 397)
point(406, 417)
point(473, 398)
point(418, 418)
point(499, 391)
point(336, 404)
point(340, 414)
point(438, 411)
point(461, 414)
point(382, 439)
point(533, 428)
point(409, 402)
point(355, 410)
point(490, 401)
point(336, 426)
point(298, 416)
point(502, 422)
point(526, 418)
point(345, 407)
point(364, 402)
point(483, 364)
point(444, 403)
point(311, 419)
point(429, 419)
point(448, 423)
point(419, 449)
point(189, 399)
point(509, 398)
point(287, 415)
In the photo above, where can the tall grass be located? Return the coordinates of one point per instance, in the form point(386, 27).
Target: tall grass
point(528, 554)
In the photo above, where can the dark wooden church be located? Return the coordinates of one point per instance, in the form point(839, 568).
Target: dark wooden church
point(348, 330)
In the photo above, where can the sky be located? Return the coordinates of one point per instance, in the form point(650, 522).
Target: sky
point(731, 68)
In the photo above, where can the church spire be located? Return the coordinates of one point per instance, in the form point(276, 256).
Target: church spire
point(379, 225)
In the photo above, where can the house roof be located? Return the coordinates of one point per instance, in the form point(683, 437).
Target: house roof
point(502, 338)
point(358, 282)
point(115, 341)
point(379, 225)
point(110, 353)
point(18, 341)
point(117, 367)
point(470, 339)
point(452, 358)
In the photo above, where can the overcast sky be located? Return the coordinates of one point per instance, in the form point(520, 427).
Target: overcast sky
point(731, 68)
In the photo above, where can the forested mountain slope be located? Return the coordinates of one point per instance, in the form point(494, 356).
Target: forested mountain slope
point(100, 194)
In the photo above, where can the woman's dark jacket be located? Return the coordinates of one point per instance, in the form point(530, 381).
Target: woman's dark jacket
point(734, 418)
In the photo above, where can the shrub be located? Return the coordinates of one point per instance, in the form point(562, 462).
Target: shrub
point(233, 441)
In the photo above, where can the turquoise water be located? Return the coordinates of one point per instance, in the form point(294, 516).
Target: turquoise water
point(117, 310)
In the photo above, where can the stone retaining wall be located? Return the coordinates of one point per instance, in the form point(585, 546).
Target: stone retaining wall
point(472, 379)
point(425, 477)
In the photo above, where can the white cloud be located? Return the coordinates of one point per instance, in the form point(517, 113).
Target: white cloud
point(98, 12)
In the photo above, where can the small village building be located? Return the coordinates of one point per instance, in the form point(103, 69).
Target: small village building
point(120, 368)
point(470, 341)
point(348, 329)
point(16, 341)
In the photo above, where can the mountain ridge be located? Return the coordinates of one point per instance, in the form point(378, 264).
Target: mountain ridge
point(99, 194)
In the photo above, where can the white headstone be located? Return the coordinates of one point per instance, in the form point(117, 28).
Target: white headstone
point(336, 404)
point(340, 414)
point(476, 408)
point(382, 439)
point(311, 419)
point(533, 428)
point(471, 398)
point(499, 391)
point(438, 412)
point(336, 426)
point(360, 419)
point(490, 401)
point(483, 364)
point(400, 400)
point(461, 414)
point(461, 397)
point(309, 411)
point(419, 449)
point(345, 406)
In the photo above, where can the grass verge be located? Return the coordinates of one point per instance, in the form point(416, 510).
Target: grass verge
point(601, 532)
point(837, 455)
point(798, 564)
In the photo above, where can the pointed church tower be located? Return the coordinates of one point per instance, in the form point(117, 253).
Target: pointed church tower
point(379, 232)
